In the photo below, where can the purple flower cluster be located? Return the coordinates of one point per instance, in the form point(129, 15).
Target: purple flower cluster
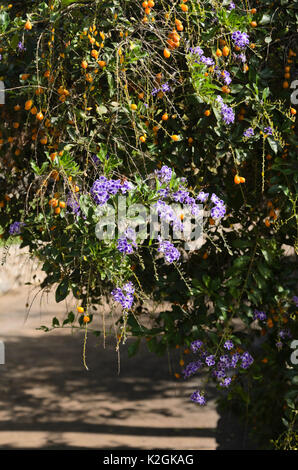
point(268, 130)
point(246, 360)
point(124, 246)
point(15, 228)
point(125, 295)
point(249, 132)
point(21, 47)
point(202, 197)
point(258, 315)
point(171, 253)
point(196, 345)
point(192, 368)
point(198, 397)
point(219, 210)
point(283, 334)
point(164, 88)
point(74, 205)
point(164, 174)
point(227, 113)
point(201, 58)
point(223, 367)
point(295, 300)
point(167, 213)
point(240, 39)
point(102, 189)
point(228, 345)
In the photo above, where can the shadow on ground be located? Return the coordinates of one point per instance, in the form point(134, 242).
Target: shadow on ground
point(47, 396)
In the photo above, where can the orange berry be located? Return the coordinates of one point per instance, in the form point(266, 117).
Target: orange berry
point(53, 202)
point(62, 204)
point(33, 110)
point(165, 117)
point(218, 53)
point(184, 7)
point(285, 84)
point(16, 125)
point(237, 179)
point(94, 53)
point(133, 107)
point(39, 116)
point(225, 89)
point(101, 63)
point(28, 25)
point(80, 309)
point(84, 64)
point(207, 112)
point(151, 3)
point(86, 319)
point(242, 180)
point(226, 51)
point(57, 210)
point(17, 107)
point(253, 11)
point(28, 105)
point(143, 138)
point(175, 137)
point(293, 111)
point(166, 53)
point(253, 24)
point(190, 140)
point(267, 222)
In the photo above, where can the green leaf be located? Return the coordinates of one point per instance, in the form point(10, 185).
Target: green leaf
point(62, 290)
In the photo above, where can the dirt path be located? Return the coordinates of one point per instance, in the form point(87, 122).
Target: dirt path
point(49, 401)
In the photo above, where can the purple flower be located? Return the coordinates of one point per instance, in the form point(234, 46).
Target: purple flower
point(15, 228)
point(227, 114)
point(198, 397)
point(180, 195)
point(268, 130)
point(191, 368)
point(202, 197)
point(124, 296)
point(234, 359)
point(240, 39)
point(171, 253)
point(154, 91)
point(207, 60)
point(228, 345)
point(284, 333)
point(164, 174)
point(74, 205)
point(259, 315)
point(210, 360)
point(249, 132)
point(196, 345)
point(21, 47)
point(246, 360)
point(226, 77)
point(295, 300)
point(226, 382)
point(124, 246)
point(165, 87)
point(196, 50)
point(231, 6)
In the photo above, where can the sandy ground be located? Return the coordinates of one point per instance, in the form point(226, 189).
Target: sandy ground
point(50, 401)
